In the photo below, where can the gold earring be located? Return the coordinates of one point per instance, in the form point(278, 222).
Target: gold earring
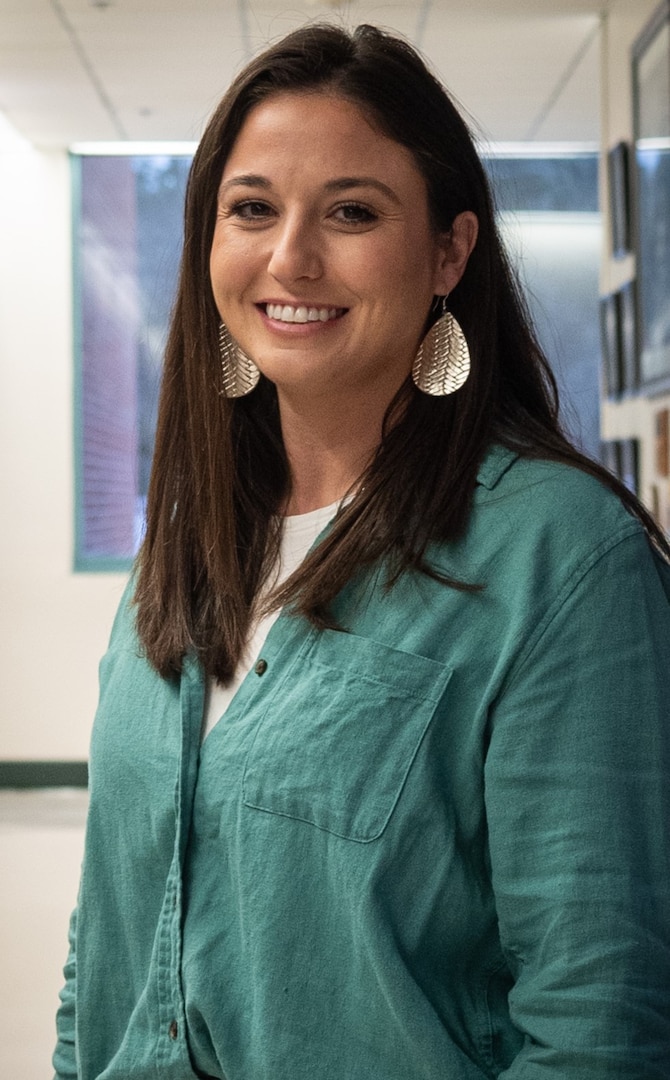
point(239, 374)
point(442, 363)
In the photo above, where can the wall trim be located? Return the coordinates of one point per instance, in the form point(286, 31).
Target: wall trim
point(43, 774)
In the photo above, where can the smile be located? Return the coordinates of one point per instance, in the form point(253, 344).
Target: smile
point(302, 314)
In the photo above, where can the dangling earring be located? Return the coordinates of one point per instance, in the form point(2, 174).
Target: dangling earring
point(239, 374)
point(442, 363)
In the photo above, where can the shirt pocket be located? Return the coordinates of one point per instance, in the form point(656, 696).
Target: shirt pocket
point(336, 744)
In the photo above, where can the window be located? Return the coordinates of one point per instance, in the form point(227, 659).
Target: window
point(547, 199)
point(128, 223)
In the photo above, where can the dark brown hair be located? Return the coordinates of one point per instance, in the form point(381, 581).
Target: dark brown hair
point(220, 473)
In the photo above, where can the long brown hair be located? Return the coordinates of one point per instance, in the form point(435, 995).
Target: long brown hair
point(220, 472)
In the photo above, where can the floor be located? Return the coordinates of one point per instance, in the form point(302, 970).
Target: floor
point(41, 844)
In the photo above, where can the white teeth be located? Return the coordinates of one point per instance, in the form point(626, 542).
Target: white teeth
point(290, 314)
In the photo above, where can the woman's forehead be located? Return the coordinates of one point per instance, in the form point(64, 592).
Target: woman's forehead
point(320, 128)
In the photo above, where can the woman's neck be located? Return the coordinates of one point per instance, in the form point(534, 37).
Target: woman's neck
point(327, 450)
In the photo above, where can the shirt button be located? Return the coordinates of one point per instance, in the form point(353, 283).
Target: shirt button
point(261, 667)
point(173, 1029)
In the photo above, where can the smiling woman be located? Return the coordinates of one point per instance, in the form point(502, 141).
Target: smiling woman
point(343, 231)
point(379, 774)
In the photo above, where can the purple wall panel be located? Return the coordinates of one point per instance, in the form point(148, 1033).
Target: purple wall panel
point(109, 326)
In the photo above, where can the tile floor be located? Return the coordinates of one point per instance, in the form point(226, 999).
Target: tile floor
point(41, 844)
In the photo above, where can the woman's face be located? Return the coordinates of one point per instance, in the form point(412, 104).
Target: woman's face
point(324, 262)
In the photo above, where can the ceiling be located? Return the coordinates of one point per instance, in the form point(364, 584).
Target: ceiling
point(89, 70)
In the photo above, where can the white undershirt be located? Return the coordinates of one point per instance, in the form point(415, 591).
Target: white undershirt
point(298, 534)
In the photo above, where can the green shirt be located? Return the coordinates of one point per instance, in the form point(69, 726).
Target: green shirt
point(431, 847)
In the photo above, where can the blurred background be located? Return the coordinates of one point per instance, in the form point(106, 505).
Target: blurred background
point(101, 104)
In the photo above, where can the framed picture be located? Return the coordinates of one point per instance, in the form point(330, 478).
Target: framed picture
point(610, 337)
point(610, 456)
point(662, 442)
point(628, 342)
point(651, 108)
point(621, 457)
point(618, 171)
point(629, 468)
point(619, 341)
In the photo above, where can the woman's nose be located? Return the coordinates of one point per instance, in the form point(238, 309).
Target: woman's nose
point(295, 253)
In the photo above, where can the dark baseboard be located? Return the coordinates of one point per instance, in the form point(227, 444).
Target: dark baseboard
point(43, 774)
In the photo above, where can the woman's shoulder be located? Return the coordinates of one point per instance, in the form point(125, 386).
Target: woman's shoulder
point(539, 519)
point(540, 494)
point(541, 531)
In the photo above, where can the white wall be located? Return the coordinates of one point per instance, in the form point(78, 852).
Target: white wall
point(41, 845)
point(54, 624)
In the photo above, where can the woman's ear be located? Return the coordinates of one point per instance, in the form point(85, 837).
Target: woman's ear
point(455, 248)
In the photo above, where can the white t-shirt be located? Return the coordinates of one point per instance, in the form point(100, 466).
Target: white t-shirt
point(298, 534)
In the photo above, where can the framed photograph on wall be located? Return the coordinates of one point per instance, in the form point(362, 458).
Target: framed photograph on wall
point(621, 457)
point(618, 175)
point(619, 341)
point(627, 317)
point(651, 106)
point(662, 442)
point(629, 453)
point(610, 344)
point(610, 456)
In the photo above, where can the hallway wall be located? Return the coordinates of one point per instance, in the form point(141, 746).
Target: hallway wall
point(53, 623)
point(632, 418)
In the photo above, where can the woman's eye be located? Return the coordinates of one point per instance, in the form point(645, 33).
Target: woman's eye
point(355, 214)
point(251, 210)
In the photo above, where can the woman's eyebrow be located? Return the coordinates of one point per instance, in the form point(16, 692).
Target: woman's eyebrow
point(345, 183)
point(341, 183)
point(245, 180)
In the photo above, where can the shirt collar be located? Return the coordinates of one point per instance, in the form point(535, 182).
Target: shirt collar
point(496, 462)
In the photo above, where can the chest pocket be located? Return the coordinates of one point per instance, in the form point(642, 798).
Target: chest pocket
point(337, 743)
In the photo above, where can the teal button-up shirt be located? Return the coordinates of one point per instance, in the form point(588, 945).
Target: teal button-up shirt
point(433, 846)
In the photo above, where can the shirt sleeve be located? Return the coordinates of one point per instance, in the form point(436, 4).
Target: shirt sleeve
point(65, 1056)
point(578, 805)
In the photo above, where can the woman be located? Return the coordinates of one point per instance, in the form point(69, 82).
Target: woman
point(422, 829)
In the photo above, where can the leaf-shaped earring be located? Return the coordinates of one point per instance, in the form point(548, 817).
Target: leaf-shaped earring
point(239, 374)
point(442, 363)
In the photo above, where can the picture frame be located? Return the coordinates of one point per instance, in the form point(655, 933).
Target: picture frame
point(618, 173)
point(629, 456)
point(628, 337)
point(610, 456)
point(610, 338)
point(651, 121)
point(619, 341)
point(662, 442)
point(622, 458)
